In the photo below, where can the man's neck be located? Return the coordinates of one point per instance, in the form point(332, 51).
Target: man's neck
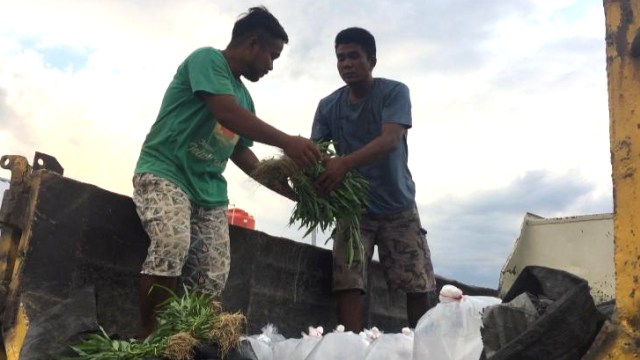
point(360, 90)
point(231, 57)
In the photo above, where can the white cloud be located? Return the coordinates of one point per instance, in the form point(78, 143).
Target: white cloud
point(498, 89)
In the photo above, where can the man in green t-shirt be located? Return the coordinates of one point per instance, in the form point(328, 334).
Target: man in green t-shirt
point(206, 118)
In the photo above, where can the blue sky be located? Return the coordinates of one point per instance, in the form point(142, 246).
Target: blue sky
point(509, 101)
point(64, 58)
point(58, 57)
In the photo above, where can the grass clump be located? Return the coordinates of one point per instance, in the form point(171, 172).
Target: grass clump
point(183, 323)
point(181, 346)
point(226, 331)
point(341, 209)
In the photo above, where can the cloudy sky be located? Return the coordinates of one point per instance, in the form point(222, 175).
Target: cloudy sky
point(509, 101)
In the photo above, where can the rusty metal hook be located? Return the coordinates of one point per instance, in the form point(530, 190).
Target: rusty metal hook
point(635, 45)
point(5, 162)
point(18, 165)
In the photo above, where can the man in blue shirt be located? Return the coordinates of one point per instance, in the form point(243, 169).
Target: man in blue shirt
point(368, 120)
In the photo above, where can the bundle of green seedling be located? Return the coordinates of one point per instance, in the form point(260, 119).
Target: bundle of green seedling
point(341, 209)
point(183, 324)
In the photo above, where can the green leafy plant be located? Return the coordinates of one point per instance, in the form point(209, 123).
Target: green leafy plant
point(194, 313)
point(183, 323)
point(341, 209)
point(102, 347)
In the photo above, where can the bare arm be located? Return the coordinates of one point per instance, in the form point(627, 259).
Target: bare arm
point(247, 161)
point(384, 144)
point(243, 122)
point(337, 167)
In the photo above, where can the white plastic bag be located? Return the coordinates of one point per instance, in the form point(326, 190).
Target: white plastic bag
point(262, 343)
point(284, 349)
point(307, 343)
point(451, 330)
point(339, 345)
point(261, 349)
point(370, 334)
point(391, 346)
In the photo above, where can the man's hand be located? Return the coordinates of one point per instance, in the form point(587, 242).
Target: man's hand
point(335, 170)
point(247, 161)
point(302, 151)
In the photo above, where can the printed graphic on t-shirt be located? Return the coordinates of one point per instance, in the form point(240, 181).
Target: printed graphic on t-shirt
point(218, 148)
point(225, 135)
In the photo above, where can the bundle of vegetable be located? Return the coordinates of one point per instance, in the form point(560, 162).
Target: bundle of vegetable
point(183, 324)
point(342, 208)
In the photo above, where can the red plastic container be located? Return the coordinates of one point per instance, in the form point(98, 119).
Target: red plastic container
point(239, 217)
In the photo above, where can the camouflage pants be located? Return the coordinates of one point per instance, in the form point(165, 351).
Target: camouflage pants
point(403, 250)
point(187, 241)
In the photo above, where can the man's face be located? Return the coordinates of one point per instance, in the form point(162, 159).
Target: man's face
point(263, 53)
point(353, 64)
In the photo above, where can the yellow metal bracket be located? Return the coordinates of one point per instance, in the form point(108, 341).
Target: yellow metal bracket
point(12, 213)
point(17, 203)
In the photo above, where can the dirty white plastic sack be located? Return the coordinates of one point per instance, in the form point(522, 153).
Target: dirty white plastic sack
point(284, 349)
point(262, 343)
point(391, 346)
point(370, 334)
point(451, 330)
point(261, 349)
point(307, 343)
point(339, 345)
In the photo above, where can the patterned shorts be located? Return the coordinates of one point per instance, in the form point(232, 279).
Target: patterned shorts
point(403, 250)
point(187, 241)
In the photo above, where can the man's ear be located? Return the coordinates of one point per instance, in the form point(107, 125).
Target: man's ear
point(373, 60)
point(253, 42)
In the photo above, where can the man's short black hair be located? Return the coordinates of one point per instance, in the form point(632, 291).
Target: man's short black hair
point(358, 36)
point(255, 20)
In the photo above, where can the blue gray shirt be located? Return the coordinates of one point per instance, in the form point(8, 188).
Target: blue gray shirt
point(353, 125)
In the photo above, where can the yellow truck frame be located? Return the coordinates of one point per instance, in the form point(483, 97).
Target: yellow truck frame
point(622, 339)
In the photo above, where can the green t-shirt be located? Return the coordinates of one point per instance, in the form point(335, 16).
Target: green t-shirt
point(186, 145)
